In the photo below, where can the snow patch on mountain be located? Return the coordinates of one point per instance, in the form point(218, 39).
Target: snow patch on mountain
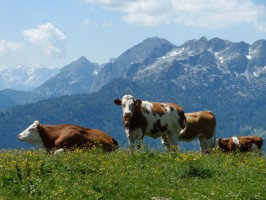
point(220, 58)
point(173, 53)
point(250, 53)
point(25, 77)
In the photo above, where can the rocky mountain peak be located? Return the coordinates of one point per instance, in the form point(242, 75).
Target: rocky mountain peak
point(79, 63)
point(217, 44)
point(145, 52)
point(257, 53)
point(156, 59)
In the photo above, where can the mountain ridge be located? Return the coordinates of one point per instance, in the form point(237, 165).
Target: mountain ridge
point(83, 76)
point(218, 75)
point(25, 78)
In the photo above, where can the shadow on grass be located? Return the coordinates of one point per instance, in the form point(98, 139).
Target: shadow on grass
point(194, 171)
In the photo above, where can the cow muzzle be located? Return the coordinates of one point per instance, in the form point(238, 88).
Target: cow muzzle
point(20, 137)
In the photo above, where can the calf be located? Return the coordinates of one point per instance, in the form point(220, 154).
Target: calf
point(151, 119)
point(241, 143)
point(200, 125)
point(66, 136)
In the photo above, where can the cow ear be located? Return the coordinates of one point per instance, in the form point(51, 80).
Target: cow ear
point(36, 122)
point(118, 102)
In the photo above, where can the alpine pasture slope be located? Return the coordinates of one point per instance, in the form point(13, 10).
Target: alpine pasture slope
point(82, 174)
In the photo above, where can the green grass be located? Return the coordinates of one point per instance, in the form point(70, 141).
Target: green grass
point(83, 174)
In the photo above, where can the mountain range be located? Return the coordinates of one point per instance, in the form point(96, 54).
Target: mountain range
point(225, 77)
point(25, 78)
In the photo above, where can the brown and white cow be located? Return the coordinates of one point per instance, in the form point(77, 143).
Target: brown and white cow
point(66, 136)
point(151, 119)
point(200, 125)
point(241, 143)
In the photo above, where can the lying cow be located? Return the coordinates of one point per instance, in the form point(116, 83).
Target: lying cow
point(66, 136)
point(151, 119)
point(200, 125)
point(241, 143)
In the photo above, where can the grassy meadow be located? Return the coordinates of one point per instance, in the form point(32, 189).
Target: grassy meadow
point(145, 174)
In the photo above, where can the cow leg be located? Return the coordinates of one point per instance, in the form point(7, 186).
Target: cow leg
point(135, 135)
point(131, 142)
point(173, 141)
point(202, 143)
point(210, 143)
point(59, 151)
point(139, 143)
point(60, 144)
point(165, 141)
point(130, 139)
point(139, 139)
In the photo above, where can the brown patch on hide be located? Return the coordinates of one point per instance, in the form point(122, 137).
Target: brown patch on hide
point(71, 136)
point(157, 127)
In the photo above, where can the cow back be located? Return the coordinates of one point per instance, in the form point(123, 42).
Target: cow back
point(199, 123)
point(246, 142)
point(70, 136)
point(160, 118)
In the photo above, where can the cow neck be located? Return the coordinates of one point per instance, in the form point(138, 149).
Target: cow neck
point(138, 120)
point(182, 118)
point(47, 135)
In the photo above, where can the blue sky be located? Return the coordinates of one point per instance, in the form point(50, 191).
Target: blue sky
point(54, 33)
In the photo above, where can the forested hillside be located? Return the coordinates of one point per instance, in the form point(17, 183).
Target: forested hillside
point(98, 111)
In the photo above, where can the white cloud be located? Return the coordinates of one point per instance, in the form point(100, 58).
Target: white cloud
point(202, 13)
point(48, 38)
point(261, 26)
point(9, 47)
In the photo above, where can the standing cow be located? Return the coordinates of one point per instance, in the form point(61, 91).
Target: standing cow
point(66, 136)
point(241, 143)
point(201, 125)
point(151, 119)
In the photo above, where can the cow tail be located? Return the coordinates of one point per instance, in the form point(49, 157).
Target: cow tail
point(183, 123)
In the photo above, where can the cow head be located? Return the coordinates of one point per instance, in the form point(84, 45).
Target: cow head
point(129, 106)
point(31, 134)
point(223, 143)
